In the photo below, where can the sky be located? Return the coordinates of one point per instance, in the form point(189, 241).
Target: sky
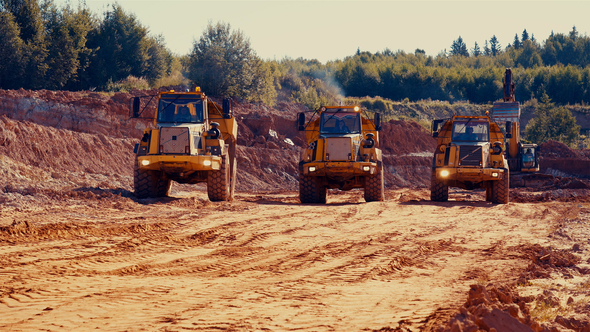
point(331, 30)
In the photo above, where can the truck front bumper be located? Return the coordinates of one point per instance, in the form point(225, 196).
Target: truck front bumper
point(179, 163)
point(470, 174)
point(340, 169)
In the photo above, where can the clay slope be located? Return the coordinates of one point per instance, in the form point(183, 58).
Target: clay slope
point(61, 131)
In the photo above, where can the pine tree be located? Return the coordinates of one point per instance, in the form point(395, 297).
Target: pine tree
point(486, 49)
point(475, 50)
point(495, 46)
point(11, 53)
point(459, 47)
point(525, 35)
point(516, 42)
point(574, 33)
point(28, 17)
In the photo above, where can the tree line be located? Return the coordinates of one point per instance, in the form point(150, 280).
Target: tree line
point(50, 47)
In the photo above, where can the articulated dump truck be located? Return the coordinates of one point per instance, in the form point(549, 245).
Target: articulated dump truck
point(342, 153)
point(469, 155)
point(193, 141)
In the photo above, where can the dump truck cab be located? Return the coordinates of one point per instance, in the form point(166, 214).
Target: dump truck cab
point(193, 141)
point(342, 153)
point(469, 155)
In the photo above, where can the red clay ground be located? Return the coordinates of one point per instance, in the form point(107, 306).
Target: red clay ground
point(79, 252)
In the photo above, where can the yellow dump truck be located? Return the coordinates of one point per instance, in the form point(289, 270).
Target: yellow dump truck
point(193, 141)
point(469, 155)
point(342, 153)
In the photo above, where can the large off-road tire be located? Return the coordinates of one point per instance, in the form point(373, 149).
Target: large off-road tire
point(218, 182)
point(501, 190)
point(311, 189)
point(150, 183)
point(439, 192)
point(489, 191)
point(374, 187)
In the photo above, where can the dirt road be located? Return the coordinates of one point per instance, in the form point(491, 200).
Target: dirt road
point(92, 259)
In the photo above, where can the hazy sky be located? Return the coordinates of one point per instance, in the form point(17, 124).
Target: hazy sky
point(330, 30)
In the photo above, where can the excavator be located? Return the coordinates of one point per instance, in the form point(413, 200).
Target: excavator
point(523, 159)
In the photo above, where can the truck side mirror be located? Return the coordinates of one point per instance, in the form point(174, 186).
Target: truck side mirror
point(227, 112)
point(434, 127)
point(135, 103)
point(301, 121)
point(377, 121)
point(508, 129)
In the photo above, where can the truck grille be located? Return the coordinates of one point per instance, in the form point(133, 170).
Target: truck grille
point(338, 148)
point(470, 155)
point(174, 140)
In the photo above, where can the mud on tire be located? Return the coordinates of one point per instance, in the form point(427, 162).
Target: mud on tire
point(218, 182)
point(150, 183)
point(311, 189)
point(501, 190)
point(439, 192)
point(374, 187)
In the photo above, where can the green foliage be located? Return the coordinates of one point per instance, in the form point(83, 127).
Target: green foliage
point(552, 123)
point(459, 47)
point(223, 64)
point(11, 53)
point(128, 84)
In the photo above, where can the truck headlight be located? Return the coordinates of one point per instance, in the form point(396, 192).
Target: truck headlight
point(495, 175)
point(207, 162)
point(366, 168)
point(145, 162)
point(311, 169)
point(444, 173)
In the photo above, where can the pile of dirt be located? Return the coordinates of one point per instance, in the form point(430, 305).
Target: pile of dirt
point(67, 132)
point(557, 150)
point(493, 308)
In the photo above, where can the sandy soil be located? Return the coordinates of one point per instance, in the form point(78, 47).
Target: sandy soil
point(95, 259)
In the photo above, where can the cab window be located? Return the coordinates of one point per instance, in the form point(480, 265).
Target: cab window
point(340, 123)
point(471, 131)
point(180, 110)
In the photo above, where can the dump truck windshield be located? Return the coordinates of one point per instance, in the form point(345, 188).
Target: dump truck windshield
point(340, 122)
point(471, 131)
point(180, 110)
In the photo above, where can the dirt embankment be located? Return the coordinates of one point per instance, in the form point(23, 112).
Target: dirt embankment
point(92, 132)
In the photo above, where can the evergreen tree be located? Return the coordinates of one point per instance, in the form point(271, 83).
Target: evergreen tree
point(525, 35)
point(516, 42)
point(475, 50)
point(28, 17)
point(486, 49)
point(495, 47)
point(121, 48)
point(11, 53)
point(459, 48)
point(66, 32)
point(574, 33)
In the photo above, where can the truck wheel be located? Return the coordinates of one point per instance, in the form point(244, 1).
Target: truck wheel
point(311, 189)
point(489, 191)
point(501, 190)
point(149, 183)
point(439, 192)
point(163, 186)
point(233, 179)
point(218, 182)
point(374, 187)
